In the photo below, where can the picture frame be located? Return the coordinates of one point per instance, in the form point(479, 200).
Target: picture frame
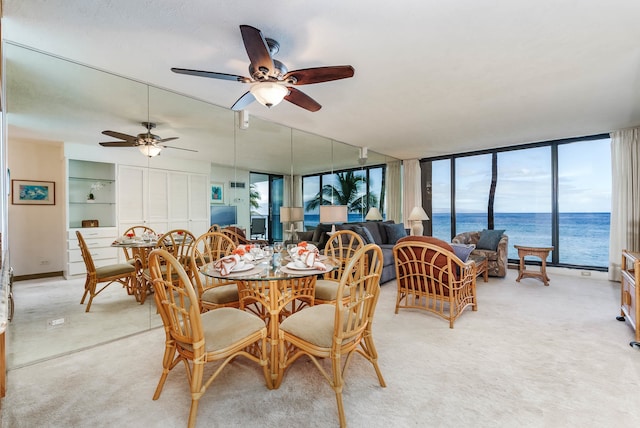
point(217, 193)
point(32, 192)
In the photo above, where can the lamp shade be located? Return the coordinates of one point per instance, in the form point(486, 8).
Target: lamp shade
point(149, 150)
point(333, 213)
point(373, 214)
point(269, 93)
point(417, 213)
point(288, 214)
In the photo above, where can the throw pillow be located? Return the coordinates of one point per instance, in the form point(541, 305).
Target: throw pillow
point(364, 233)
point(489, 239)
point(394, 232)
point(462, 250)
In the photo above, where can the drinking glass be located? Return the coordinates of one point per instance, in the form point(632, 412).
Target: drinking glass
point(267, 251)
point(277, 247)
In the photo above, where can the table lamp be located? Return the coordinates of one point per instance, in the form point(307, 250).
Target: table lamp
point(416, 217)
point(291, 215)
point(373, 214)
point(333, 214)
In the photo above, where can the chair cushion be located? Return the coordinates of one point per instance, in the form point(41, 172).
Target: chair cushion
point(225, 326)
point(489, 239)
point(326, 289)
point(221, 295)
point(114, 270)
point(314, 325)
point(463, 250)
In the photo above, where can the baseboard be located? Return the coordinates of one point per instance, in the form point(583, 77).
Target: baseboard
point(37, 276)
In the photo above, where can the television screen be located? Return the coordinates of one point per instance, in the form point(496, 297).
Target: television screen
point(223, 215)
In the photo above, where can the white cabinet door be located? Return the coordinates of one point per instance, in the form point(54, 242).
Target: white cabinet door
point(198, 204)
point(131, 194)
point(158, 197)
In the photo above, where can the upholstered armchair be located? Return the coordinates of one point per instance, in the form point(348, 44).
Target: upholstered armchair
point(496, 255)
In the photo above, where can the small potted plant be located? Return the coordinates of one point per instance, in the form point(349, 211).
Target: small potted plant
point(91, 196)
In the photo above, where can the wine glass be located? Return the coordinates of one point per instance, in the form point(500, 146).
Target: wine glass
point(268, 252)
point(277, 247)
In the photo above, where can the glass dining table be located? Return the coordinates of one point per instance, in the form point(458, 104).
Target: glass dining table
point(273, 291)
point(140, 249)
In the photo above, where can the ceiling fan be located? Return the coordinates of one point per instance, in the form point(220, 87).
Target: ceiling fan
point(270, 79)
point(146, 142)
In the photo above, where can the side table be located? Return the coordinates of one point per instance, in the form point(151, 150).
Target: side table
point(542, 253)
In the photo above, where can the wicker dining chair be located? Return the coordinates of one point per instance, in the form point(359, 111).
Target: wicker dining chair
point(431, 277)
point(333, 331)
point(122, 273)
point(196, 339)
point(213, 293)
point(341, 246)
point(137, 231)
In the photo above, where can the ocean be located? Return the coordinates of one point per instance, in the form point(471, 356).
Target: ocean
point(584, 237)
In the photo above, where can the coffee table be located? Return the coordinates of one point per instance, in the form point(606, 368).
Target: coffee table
point(542, 253)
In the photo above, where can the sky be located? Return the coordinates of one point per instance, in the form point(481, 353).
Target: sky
point(524, 180)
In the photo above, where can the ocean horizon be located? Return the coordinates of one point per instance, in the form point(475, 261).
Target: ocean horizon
point(583, 237)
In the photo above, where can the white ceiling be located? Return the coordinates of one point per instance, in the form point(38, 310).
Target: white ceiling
point(431, 77)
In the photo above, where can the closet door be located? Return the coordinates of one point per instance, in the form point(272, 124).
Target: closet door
point(131, 197)
point(198, 203)
point(178, 201)
point(158, 200)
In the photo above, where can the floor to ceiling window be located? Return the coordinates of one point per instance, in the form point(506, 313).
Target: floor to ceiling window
point(555, 193)
point(359, 189)
point(265, 198)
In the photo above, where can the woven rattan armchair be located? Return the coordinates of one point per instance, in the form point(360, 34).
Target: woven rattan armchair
point(431, 277)
point(336, 332)
point(341, 246)
point(196, 339)
point(239, 238)
point(136, 231)
point(213, 292)
point(122, 273)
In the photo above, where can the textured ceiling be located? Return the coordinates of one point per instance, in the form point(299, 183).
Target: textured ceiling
point(432, 77)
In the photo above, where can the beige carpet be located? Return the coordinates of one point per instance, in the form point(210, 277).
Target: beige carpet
point(531, 356)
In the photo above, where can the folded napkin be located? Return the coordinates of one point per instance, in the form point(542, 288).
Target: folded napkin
point(310, 258)
point(226, 264)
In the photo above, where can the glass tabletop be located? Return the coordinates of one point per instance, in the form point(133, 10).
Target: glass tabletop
point(269, 270)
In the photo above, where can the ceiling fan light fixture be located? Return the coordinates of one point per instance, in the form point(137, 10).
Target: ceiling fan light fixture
point(149, 150)
point(269, 94)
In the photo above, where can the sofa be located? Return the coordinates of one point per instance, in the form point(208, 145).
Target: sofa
point(491, 244)
point(383, 233)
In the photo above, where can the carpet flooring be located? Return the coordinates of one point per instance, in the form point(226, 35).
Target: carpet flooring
point(531, 356)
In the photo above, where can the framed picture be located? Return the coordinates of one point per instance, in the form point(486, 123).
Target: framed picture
point(30, 192)
point(217, 193)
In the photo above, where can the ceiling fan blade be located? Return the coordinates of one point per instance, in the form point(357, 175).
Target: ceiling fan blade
point(243, 101)
point(307, 76)
point(257, 49)
point(212, 74)
point(301, 99)
point(120, 135)
point(118, 144)
point(178, 148)
point(164, 140)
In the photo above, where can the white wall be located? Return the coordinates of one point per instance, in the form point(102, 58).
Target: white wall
point(37, 232)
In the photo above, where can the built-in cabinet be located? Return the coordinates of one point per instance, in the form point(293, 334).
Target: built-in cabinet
point(630, 293)
point(162, 200)
point(91, 209)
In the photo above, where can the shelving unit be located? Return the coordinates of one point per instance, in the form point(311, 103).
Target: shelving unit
point(630, 293)
point(98, 178)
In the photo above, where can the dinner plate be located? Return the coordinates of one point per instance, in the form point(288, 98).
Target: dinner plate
point(245, 267)
point(293, 266)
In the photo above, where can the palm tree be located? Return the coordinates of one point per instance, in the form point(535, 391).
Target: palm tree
point(254, 196)
point(346, 192)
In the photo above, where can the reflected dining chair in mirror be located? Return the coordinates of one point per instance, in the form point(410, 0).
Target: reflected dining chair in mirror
point(341, 246)
point(122, 273)
point(431, 277)
point(197, 339)
point(179, 243)
point(239, 238)
point(215, 228)
point(258, 228)
point(135, 231)
point(213, 292)
point(328, 333)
